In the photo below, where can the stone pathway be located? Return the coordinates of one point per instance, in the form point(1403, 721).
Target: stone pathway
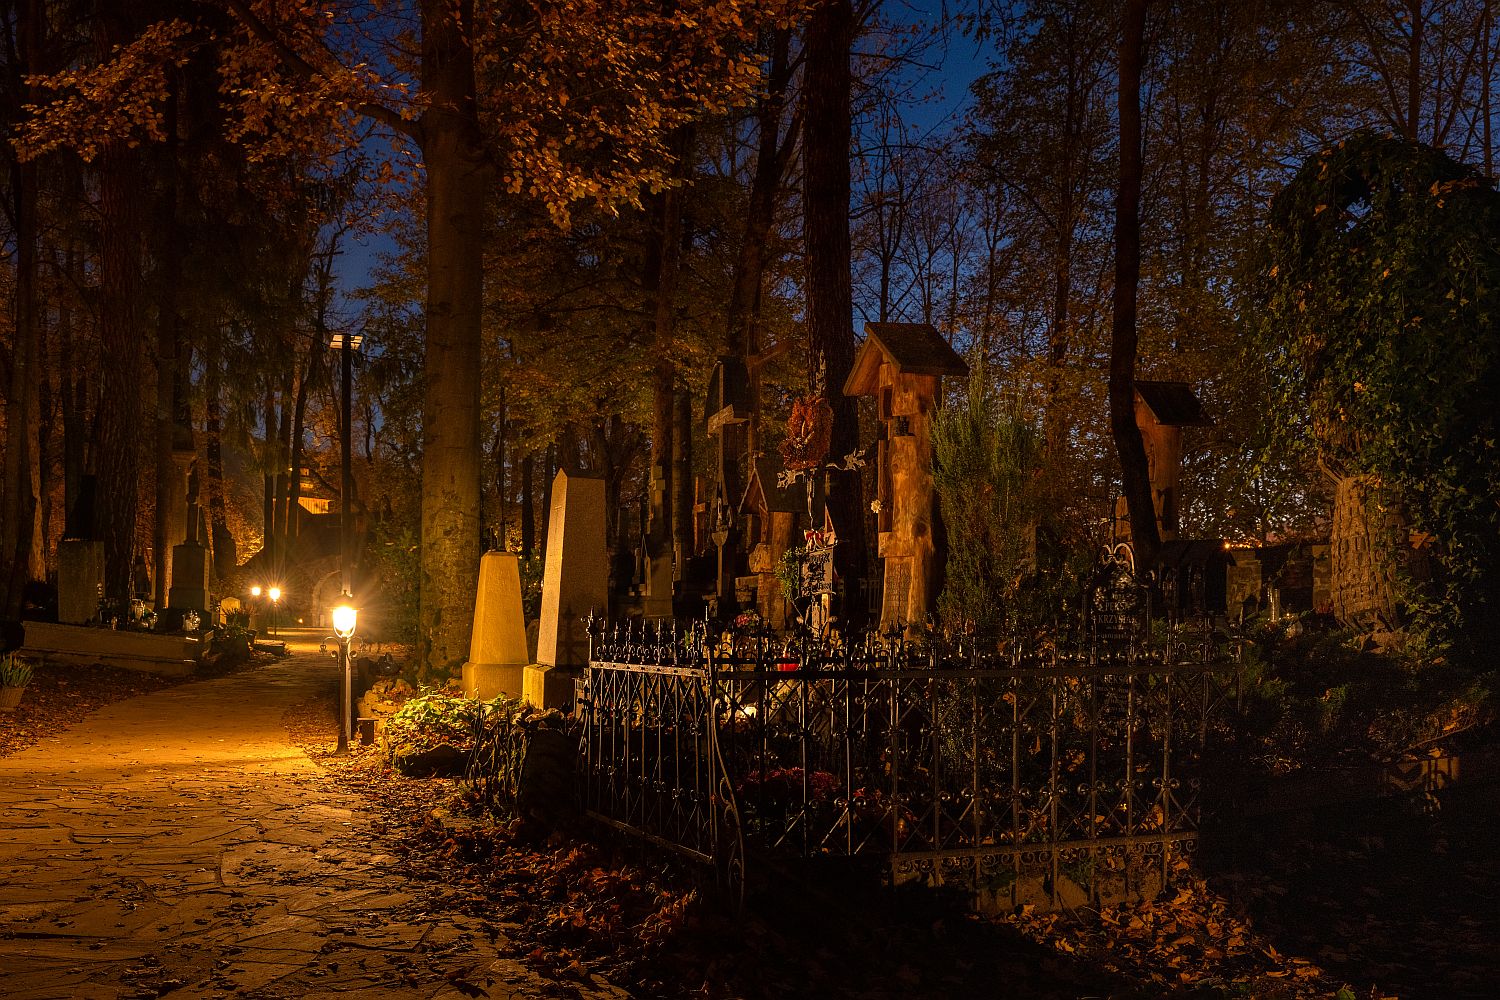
point(177, 845)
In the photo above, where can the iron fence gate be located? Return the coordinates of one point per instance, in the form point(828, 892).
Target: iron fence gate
point(1051, 773)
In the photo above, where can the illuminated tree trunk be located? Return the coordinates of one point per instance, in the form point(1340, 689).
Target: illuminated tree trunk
point(825, 206)
point(1134, 467)
point(457, 185)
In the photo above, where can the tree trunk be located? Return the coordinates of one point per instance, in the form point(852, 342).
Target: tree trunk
point(42, 548)
point(743, 311)
point(663, 256)
point(73, 387)
point(500, 543)
point(268, 483)
point(281, 511)
point(683, 542)
point(528, 507)
point(226, 558)
point(1414, 69)
point(825, 206)
point(17, 492)
point(457, 184)
point(1134, 470)
point(118, 426)
point(742, 330)
point(18, 513)
point(549, 472)
point(170, 485)
point(299, 425)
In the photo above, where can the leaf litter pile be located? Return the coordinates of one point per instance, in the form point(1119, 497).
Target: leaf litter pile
point(584, 908)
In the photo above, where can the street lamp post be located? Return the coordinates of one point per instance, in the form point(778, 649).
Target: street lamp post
point(345, 616)
point(346, 344)
point(344, 619)
point(275, 595)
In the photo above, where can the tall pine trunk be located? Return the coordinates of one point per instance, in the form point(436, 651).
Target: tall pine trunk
point(457, 183)
point(825, 206)
point(1134, 471)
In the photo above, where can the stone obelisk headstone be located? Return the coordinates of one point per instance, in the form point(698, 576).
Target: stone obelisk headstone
point(574, 584)
point(497, 650)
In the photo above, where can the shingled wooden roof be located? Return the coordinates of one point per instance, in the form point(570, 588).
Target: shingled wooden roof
point(913, 348)
point(1173, 404)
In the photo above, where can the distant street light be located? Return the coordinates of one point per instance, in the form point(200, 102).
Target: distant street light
point(275, 595)
point(254, 604)
point(345, 617)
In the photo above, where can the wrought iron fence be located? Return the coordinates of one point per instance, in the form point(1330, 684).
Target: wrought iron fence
point(1053, 770)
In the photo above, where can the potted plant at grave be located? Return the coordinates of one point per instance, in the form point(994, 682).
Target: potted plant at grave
point(15, 674)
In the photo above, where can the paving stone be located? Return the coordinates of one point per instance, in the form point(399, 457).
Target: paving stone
point(145, 848)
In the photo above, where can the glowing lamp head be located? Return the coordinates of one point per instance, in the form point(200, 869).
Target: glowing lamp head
point(344, 617)
point(274, 593)
point(255, 590)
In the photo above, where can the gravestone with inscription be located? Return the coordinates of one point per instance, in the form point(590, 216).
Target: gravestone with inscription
point(1118, 607)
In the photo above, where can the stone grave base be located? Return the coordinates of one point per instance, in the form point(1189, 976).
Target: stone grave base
point(169, 655)
point(490, 680)
point(549, 687)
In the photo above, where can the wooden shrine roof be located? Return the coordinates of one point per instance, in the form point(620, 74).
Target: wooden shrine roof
point(1173, 404)
point(913, 348)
